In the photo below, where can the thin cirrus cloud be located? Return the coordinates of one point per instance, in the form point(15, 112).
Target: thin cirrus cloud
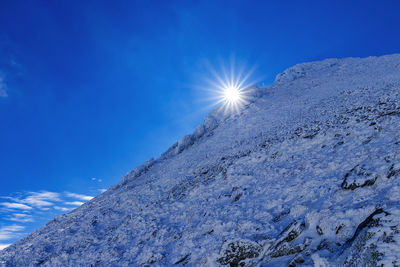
point(41, 199)
point(62, 208)
point(13, 205)
point(79, 196)
point(74, 203)
point(20, 217)
point(7, 232)
point(33, 206)
point(44, 200)
point(96, 179)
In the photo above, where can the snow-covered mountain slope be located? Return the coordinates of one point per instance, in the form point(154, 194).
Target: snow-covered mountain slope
point(308, 173)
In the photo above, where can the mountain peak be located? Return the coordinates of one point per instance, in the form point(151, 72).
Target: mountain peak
point(306, 173)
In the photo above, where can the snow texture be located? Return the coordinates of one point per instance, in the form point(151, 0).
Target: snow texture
point(308, 174)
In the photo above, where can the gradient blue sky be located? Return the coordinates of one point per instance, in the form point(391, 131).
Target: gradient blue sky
point(91, 89)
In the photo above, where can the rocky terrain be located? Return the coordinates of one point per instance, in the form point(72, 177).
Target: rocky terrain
point(307, 174)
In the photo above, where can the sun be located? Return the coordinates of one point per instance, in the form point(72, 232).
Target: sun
point(232, 94)
point(230, 88)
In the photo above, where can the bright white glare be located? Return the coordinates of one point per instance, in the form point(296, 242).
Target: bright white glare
point(232, 94)
point(231, 90)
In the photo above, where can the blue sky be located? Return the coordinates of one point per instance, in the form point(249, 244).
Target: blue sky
point(91, 89)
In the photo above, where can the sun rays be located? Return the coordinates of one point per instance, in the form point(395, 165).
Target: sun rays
point(230, 88)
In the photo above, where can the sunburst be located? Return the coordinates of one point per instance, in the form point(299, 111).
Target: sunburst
point(231, 90)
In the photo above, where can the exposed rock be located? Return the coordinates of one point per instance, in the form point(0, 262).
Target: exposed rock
point(281, 215)
point(286, 249)
point(183, 260)
point(233, 252)
point(325, 244)
point(296, 260)
point(319, 230)
point(357, 177)
point(282, 247)
point(308, 131)
point(394, 171)
point(370, 221)
point(376, 232)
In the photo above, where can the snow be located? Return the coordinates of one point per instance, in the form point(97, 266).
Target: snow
point(307, 174)
point(3, 246)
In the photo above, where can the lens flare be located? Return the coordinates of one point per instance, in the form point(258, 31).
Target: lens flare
point(232, 94)
point(232, 90)
point(229, 88)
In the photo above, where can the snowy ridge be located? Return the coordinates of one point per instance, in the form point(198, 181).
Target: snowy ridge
point(308, 174)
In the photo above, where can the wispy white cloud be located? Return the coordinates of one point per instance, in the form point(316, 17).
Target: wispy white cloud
point(62, 208)
point(74, 203)
point(27, 207)
point(8, 232)
point(41, 199)
point(11, 205)
point(3, 88)
point(20, 217)
point(79, 196)
point(3, 246)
